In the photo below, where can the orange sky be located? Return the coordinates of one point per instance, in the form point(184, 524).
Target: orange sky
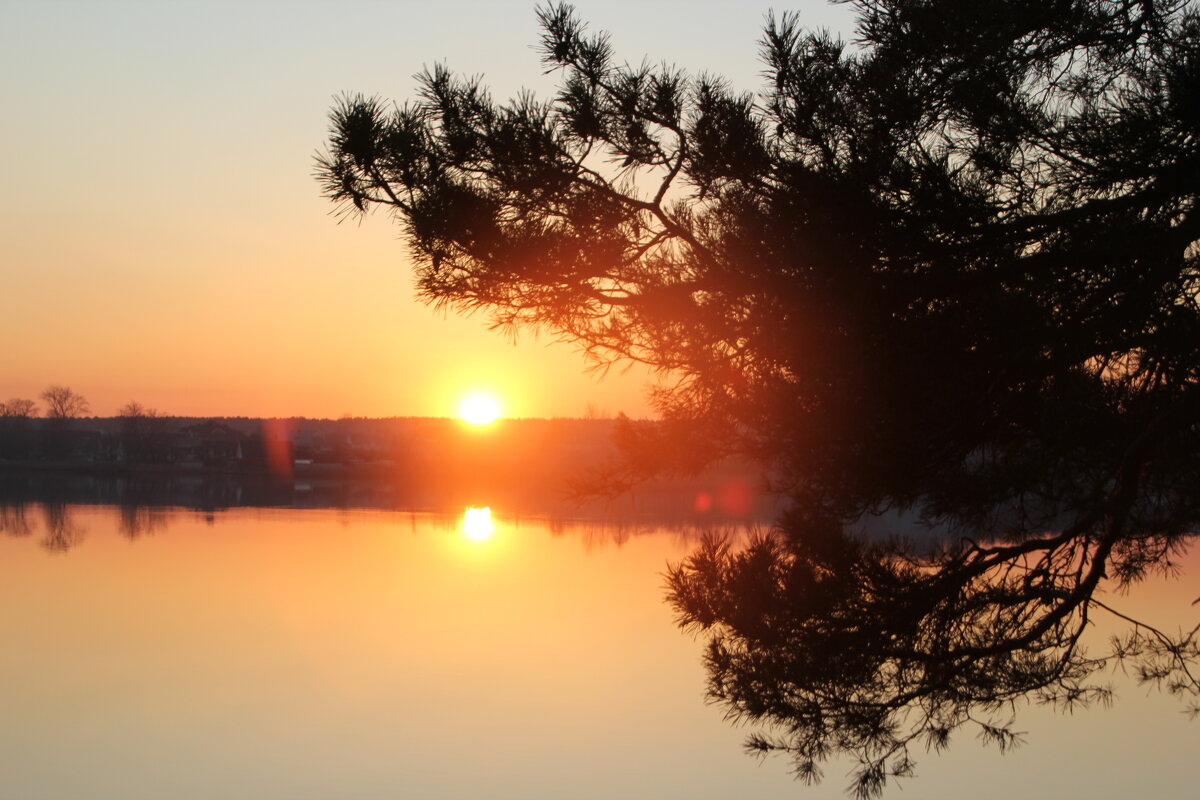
point(162, 238)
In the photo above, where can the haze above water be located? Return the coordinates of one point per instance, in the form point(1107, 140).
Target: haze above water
point(267, 653)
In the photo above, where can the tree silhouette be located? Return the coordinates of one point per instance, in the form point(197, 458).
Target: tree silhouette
point(62, 402)
point(140, 427)
point(19, 407)
point(16, 437)
point(952, 270)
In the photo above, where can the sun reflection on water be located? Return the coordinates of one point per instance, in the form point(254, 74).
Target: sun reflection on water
point(477, 523)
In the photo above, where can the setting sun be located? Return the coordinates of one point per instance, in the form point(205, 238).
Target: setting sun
point(479, 409)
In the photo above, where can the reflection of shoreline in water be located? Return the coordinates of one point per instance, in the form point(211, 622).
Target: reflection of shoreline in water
point(704, 501)
point(58, 524)
point(147, 504)
point(60, 532)
point(598, 532)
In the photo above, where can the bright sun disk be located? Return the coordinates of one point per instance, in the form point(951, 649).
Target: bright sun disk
point(479, 409)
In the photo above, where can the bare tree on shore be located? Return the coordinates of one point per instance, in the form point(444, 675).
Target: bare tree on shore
point(63, 402)
point(18, 407)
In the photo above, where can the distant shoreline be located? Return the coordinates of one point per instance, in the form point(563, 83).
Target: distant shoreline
point(408, 462)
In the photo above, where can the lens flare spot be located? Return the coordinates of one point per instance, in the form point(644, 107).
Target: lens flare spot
point(477, 523)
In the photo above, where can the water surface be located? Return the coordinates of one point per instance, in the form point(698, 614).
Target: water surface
point(270, 653)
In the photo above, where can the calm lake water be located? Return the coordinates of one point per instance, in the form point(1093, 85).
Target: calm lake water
point(267, 653)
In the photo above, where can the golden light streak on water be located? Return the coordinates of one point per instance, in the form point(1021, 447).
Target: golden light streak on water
point(477, 523)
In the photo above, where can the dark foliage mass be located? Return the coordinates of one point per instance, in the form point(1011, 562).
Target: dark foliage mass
point(949, 268)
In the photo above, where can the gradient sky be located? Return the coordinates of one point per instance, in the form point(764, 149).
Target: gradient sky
point(162, 237)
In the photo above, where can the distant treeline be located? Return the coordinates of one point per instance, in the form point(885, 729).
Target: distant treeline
point(281, 446)
point(428, 461)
